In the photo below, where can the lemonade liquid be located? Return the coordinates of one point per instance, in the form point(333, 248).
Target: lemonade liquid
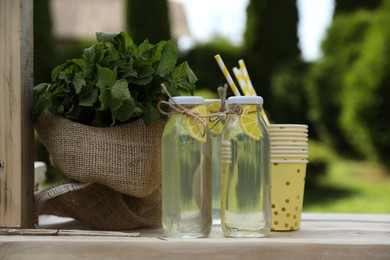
point(215, 126)
point(186, 176)
point(245, 174)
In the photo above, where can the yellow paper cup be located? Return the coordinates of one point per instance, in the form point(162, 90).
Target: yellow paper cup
point(289, 139)
point(287, 190)
point(289, 156)
point(289, 152)
point(291, 135)
point(288, 127)
point(289, 148)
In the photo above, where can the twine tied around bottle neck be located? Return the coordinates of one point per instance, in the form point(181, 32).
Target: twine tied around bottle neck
point(216, 116)
point(176, 108)
point(238, 110)
point(199, 120)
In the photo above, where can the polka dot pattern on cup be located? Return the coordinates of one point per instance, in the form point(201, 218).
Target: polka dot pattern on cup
point(287, 192)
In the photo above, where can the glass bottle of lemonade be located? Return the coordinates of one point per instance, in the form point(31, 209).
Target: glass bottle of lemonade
point(215, 125)
point(245, 170)
point(186, 170)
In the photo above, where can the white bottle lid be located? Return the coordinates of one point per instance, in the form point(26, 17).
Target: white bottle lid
point(186, 100)
point(209, 100)
point(241, 100)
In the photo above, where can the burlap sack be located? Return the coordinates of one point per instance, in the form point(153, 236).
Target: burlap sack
point(100, 207)
point(125, 158)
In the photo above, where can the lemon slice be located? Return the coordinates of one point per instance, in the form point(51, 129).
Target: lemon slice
point(249, 122)
point(195, 128)
point(214, 126)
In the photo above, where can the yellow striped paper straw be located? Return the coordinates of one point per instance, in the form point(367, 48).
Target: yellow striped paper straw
point(250, 87)
point(248, 82)
point(265, 117)
point(241, 81)
point(227, 75)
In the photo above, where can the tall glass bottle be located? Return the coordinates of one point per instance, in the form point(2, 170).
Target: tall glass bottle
point(215, 125)
point(245, 170)
point(186, 170)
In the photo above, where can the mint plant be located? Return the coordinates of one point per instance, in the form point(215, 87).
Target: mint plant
point(115, 81)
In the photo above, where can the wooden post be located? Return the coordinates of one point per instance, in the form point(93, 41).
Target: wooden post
point(16, 127)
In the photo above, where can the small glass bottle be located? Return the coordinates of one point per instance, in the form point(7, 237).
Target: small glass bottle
point(245, 170)
point(215, 125)
point(186, 170)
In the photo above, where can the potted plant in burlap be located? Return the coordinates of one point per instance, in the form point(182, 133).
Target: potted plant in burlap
point(98, 119)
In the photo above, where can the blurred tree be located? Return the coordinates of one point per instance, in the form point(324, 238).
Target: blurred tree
point(365, 114)
point(148, 20)
point(288, 99)
point(43, 41)
point(324, 82)
point(271, 45)
point(347, 6)
point(202, 62)
point(348, 87)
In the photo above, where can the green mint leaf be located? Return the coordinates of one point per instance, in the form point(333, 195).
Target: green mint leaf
point(106, 76)
point(41, 88)
point(168, 60)
point(145, 73)
point(56, 71)
point(73, 113)
point(125, 44)
point(150, 113)
point(122, 113)
point(110, 56)
point(143, 81)
point(105, 37)
point(122, 103)
point(184, 78)
point(104, 96)
point(173, 89)
point(119, 93)
point(89, 54)
point(89, 100)
point(78, 82)
point(155, 52)
point(41, 104)
point(126, 70)
point(143, 50)
point(79, 63)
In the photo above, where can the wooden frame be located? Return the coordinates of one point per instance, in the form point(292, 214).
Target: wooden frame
point(16, 126)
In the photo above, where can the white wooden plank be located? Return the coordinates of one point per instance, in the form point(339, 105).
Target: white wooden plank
point(321, 237)
point(16, 128)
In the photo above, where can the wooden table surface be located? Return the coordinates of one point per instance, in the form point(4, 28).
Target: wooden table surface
point(322, 236)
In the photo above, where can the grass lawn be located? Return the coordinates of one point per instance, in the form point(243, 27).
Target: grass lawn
point(347, 187)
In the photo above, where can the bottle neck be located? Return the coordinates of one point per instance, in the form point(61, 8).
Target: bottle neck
point(238, 108)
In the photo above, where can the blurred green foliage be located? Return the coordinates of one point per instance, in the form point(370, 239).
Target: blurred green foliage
point(324, 80)
point(349, 186)
point(365, 112)
point(43, 41)
point(347, 89)
point(147, 20)
point(288, 100)
point(347, 6)
point(270, 42)
point(201, 59)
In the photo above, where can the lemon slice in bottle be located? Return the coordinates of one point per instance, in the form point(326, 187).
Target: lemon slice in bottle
point(195, 128)
point(249, 122)
point(214, 126)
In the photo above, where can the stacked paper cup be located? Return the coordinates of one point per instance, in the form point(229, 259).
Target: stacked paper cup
point(289, 157)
